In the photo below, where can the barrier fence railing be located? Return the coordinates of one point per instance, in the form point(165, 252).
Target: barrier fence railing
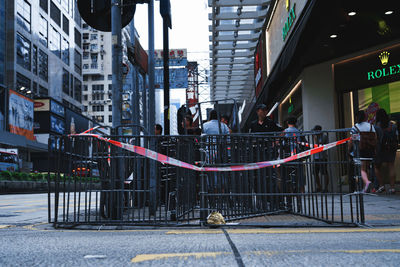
point(179, 180)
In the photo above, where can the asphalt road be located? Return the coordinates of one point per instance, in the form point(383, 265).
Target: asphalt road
point(26, 241)
point(38, 246)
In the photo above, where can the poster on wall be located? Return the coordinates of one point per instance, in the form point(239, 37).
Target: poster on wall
point(20, 115)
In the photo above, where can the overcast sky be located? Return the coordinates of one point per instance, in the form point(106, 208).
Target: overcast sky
point(189, 27)
point(189, 30)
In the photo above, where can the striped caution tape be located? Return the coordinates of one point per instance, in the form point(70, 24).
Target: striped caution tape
point(245, 167)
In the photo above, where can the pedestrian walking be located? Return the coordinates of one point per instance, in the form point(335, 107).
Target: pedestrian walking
point(387, 135)
point(367, 145)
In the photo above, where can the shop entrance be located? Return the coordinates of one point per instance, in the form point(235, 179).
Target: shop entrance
point(386, 96)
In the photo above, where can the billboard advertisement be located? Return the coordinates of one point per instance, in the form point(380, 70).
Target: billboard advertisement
point(75, 122)
point(20, 115)
point(57, 109)
point(177, 57)
point(41, 105)
point(178, 78)
point(57, 125)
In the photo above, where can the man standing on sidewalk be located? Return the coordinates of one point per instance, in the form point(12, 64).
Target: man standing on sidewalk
point(263, 124)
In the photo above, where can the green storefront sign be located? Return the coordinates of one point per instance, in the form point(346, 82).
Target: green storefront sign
point(289, 22)
point(383, 72)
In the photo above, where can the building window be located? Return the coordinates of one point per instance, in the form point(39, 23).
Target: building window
point(85, 88)
point(77, 16)
point(98, 87)
point(94, 58)
point(71, 84)
point(65, 81)
point(43, 91)
point(85, 66)
point(55, 13)
point(65, 5)
point(85, 36)
point(78, 62)
point(93, 47)
point(55, 42)
point(44, 4)
point(85, 108)
point(34, 59)
point(23, 52)
point(110, 77)
point(78, 90)
point(109, 118)
point(34, 89)
point(110, 108)
point(65, 51)
point(23, 83)
point(65, 25)
point(78, 38)
point(85, 97)
point(24, 14)
point(93, 37)
point(43, 65)
point(97, 77)
point(85, 55)
point(43, 30)
point(100, 118)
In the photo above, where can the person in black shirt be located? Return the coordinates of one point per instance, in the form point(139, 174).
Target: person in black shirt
point(263, 124)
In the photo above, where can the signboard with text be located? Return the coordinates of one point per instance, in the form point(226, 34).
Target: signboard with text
point(178, 78)
point(375, 68)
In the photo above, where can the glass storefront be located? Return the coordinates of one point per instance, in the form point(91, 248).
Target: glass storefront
point(386, 96)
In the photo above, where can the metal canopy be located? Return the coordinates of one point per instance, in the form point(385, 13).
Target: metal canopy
point(235, 29)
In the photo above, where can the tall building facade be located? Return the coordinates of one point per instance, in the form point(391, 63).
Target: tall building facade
point(97, 75)
point(40, 57)
point(2, 63)
point(44, 50)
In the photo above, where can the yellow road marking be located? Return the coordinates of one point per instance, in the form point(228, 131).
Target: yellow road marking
point(197, 255)
point(283, 231)
point(196, 231)
point(30, 210)
point(4, 226)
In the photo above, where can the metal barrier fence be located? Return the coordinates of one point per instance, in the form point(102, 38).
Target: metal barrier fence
point(99, 183)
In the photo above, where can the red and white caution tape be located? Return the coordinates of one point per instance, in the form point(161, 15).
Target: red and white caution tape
point(245, 167)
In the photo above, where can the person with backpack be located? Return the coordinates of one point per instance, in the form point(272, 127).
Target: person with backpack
point(386, 152)
point(367, 145)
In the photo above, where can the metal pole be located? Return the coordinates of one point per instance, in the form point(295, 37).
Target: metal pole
point(151, 108)
point(116, 179)
point(152, 101)
point(166, 78)
point(116, 62)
